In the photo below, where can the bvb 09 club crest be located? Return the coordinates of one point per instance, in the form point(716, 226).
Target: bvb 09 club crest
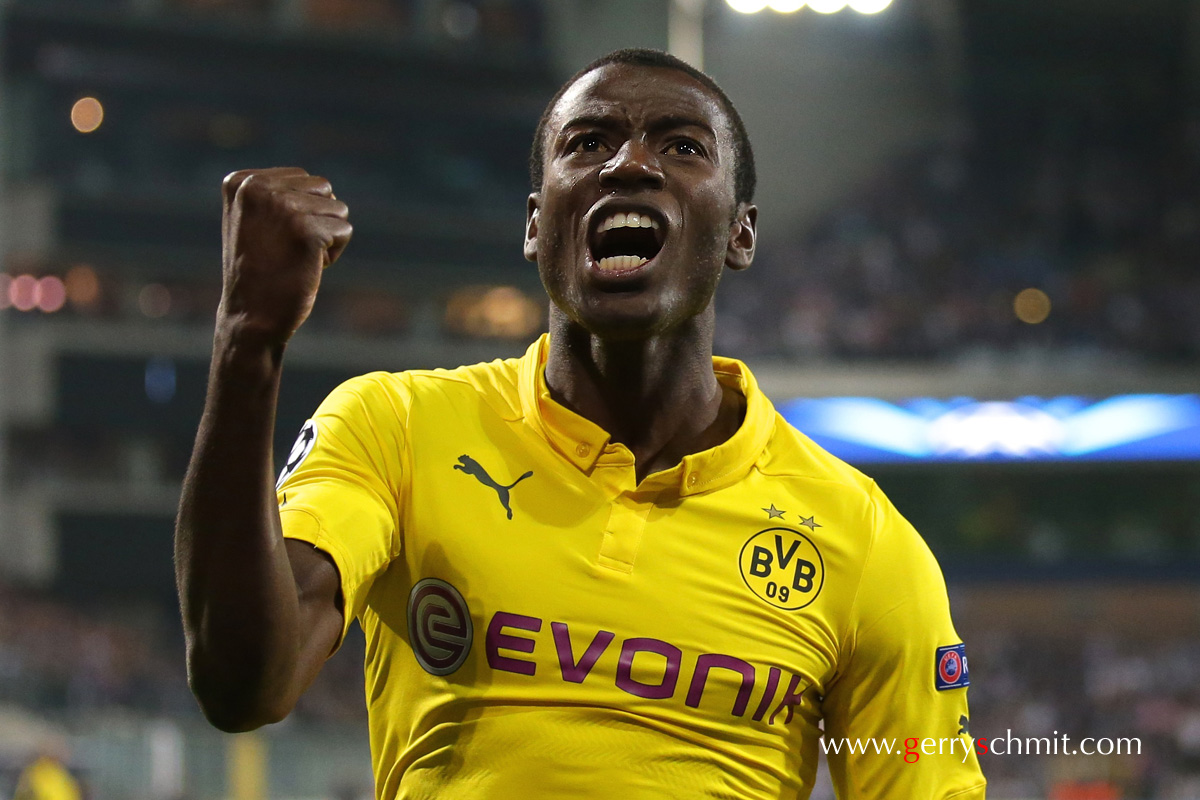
point(783, 567)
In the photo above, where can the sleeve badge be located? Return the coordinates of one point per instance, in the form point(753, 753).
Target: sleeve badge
point(950, 667)
point(300, 450)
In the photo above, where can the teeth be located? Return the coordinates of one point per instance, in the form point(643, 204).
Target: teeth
point(621, 262)
point(630, 220)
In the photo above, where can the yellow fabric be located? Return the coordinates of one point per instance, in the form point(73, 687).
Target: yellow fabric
point(46, 779)
point(626, 640)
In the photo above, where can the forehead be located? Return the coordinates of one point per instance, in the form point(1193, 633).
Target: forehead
point(638, 94)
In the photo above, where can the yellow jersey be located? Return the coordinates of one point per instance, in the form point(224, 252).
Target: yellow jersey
point(541, 625)
point(47, 779)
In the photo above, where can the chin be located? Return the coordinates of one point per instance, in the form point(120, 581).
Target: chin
point(622, 321)
point(623, 330)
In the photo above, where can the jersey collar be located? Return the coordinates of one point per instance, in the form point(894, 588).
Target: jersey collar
point(583, 442)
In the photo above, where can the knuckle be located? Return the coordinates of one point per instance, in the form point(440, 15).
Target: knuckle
point(251, 190)
point(251, 182)
point(232, 181)
point(236, 178)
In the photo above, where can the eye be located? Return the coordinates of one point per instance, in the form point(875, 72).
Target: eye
point(685, 147)
point(587, 143)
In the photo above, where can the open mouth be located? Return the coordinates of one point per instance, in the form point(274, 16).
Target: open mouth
point(625, 240)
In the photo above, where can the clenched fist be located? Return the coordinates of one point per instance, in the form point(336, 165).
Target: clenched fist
point(281, 228)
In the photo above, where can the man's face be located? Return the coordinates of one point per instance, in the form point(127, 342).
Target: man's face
point(636, 217)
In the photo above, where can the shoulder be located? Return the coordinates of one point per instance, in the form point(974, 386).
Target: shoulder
point(492, 383)
point(397, 394)
point(792, 455)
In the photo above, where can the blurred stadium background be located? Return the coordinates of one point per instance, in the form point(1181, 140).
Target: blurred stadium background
point(980, 230)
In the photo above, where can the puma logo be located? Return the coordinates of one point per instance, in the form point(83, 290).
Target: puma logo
point(475, 469)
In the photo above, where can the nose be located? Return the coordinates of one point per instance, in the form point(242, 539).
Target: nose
point(633, 166)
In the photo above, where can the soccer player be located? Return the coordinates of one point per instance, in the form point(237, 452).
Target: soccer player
point(605, 569)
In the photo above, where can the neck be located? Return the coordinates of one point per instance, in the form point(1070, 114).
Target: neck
point(658, 396)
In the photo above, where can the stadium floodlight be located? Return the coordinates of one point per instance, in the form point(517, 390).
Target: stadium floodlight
point(786, 6)
point(827, 6)
point(747, 6)
point(869, 6)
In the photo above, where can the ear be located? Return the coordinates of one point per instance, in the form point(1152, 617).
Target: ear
point(531, 227)
point(740, 251)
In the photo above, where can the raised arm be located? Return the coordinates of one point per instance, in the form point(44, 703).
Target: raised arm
point(259, 615)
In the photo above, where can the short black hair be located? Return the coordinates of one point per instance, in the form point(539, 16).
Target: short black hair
point(744, 177)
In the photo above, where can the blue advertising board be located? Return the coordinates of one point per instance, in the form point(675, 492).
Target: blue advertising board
point(1132, 427)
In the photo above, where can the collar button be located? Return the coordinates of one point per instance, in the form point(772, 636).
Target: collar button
point(583, 450)
point(692, 480)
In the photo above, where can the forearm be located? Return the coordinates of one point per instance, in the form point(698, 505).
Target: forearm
point(237, 592)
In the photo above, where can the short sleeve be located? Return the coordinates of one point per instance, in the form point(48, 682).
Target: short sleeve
point(342, 484)
point(901, 681)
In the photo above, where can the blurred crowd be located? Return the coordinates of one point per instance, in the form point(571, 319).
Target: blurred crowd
point(58, 658)
point(1097, 685)
point(1075, 233)
point(70, 661)
point(927, 261)
point(929, 258)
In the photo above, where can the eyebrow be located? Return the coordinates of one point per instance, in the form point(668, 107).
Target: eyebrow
point(589, 121)
point(680, 121)
point(658, 125)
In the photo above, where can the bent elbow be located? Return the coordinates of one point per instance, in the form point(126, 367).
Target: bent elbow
point(231, 718)
point(235, 708)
